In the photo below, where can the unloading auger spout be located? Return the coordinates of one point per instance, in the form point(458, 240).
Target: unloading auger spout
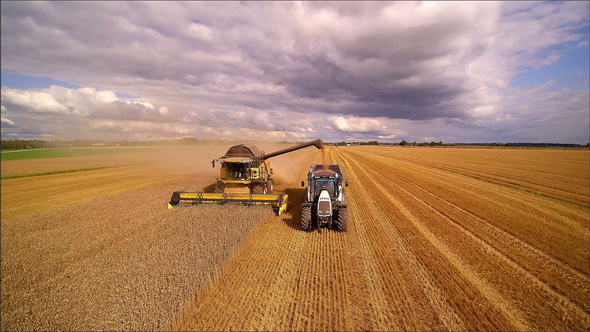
point(318, 143)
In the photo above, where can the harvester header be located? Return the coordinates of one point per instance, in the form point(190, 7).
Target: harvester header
point(244, 178)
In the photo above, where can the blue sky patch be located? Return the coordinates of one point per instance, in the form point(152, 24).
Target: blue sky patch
point(570, 70)
point(31, 82)
point(125, 95)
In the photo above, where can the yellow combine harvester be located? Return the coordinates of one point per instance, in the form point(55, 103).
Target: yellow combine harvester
point(244, 178)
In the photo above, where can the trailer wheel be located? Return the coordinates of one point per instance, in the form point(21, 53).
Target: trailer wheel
point(342, 219)
point(306, 218)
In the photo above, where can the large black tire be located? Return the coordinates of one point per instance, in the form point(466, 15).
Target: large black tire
point(342, 224)
point(306, 218)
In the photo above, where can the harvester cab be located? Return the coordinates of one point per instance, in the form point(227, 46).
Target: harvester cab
point(244, 170)
point(245, 177)
point(324, 204)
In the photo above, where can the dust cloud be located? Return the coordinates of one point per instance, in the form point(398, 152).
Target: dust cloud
point(288, 167)
point(186, 160)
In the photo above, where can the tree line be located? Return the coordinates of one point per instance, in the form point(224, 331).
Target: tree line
point(19, 144)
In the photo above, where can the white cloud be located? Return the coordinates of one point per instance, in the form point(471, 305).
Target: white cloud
point(7, 121)
point(34, 101)
point(357, 125)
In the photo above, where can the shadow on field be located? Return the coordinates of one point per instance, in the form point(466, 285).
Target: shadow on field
point(293, 216)
point(210, 188)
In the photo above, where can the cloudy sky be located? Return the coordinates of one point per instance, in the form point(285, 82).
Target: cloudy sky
point(354, 71)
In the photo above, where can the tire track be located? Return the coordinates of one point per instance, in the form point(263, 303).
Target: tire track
point(527, 169)
point(553, 184)
point(413, 310)
point(456, 288)
point(532, 200)
point(552, 192)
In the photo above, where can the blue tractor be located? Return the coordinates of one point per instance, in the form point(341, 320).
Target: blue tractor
point(324, 204)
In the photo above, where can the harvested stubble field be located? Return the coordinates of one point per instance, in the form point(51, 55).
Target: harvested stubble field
point(439, 238)
point(99, 250)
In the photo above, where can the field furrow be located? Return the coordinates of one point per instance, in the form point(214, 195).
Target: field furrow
point(562, 188)
point(543, 170)
point(567, 280)
point(571, 313)
point(368, 218)
point(543, 223)
point(472, 298)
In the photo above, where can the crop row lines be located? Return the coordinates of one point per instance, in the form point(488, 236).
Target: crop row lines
point(443, 177)
point(461, 283)
point(525, 216)
point(570, 282)
point(545, 190)
point(371, 164)
point(384, 235)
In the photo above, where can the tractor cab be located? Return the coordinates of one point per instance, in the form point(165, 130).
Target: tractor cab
point(324, 183)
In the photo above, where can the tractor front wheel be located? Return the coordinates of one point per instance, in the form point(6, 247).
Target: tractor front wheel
point(306, 218)
point(342, 219)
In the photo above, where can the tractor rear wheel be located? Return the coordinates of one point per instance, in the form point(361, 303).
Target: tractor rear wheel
point(342, 219)
point(306, 218)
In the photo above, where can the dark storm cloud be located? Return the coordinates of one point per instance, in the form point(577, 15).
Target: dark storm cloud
point(318, 61)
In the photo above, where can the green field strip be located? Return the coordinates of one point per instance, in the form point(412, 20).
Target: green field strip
point(6, 155)
point(61, 171)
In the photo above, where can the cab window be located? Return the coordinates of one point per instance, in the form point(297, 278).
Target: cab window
point(236, 171)
point(324, 184)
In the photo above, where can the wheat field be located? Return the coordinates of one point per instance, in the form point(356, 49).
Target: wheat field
point(438, 239)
